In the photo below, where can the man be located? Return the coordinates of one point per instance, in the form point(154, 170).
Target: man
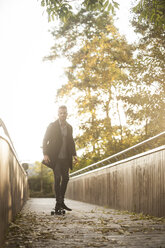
point(58, 150)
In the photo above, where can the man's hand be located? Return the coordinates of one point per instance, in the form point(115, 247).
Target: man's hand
point(75, 159)
point(46, 158)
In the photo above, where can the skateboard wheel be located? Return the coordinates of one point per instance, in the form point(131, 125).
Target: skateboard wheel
point(60, 212)
point(52, 212)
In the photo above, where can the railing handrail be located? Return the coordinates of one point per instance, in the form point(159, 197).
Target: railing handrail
point(101, 162)
point(2, 124)
point(8, 139)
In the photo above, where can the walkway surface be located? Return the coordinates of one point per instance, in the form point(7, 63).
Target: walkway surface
point(86, 226)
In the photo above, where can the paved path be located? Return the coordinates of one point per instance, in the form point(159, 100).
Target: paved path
point(86, 226)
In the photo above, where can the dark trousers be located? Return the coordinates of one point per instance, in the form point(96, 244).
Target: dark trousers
point(61, 177)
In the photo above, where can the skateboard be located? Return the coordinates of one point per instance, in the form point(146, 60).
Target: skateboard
point(60, 211)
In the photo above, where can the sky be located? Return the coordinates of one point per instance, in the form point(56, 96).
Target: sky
point(28, 84)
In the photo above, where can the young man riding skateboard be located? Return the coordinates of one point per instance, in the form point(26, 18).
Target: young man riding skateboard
point(59, 151)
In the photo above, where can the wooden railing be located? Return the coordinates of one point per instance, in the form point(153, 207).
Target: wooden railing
point(143, 146)
point(13, 182)
point(136, 183)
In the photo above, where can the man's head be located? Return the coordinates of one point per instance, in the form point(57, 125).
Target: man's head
point(62, 113)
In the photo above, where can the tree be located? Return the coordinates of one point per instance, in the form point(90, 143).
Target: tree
point(41, 182)
point(146, 105)
point(151, 12)
point(99, 58)
point(64, 9)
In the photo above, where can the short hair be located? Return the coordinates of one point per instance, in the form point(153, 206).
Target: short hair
point(62, 107)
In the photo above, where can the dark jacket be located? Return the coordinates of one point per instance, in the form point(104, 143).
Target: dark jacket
point(53, 140)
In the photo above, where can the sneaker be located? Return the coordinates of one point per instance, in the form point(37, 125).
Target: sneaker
point(58, 206)
point(65, 207)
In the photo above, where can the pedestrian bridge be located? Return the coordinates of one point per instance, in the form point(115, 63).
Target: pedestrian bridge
point(86, 226)
point(124, 182)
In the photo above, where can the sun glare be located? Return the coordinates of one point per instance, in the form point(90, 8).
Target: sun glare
point(27, 84)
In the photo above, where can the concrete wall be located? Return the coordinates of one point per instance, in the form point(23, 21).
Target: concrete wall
point(13, 186)
point(136, 184)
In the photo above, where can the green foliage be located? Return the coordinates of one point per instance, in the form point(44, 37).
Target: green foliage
point(64, 9)
point(146, 105)
point(152, 12)
point(41, 182)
